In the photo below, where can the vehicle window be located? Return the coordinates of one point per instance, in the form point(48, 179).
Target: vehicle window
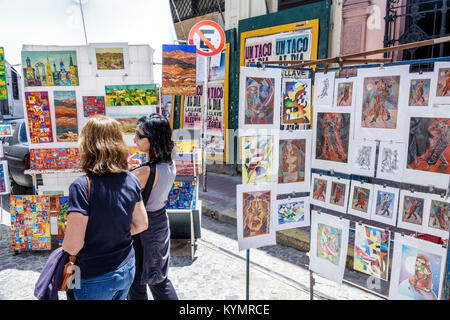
point(23, 133)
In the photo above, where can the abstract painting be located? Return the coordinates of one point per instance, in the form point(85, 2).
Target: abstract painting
point(66, 116)
point(332, 136)
point(3, 86)
point(385, 205)
point(62, 204)
point(292, 213)
point(418, 269)
point(360, 199)
point(54, 159)
point(182, 195)
point(257, 159)
point(296, 105)
point(30, 223)
point(93, 105)
point(131, 95)
point(39, 118)
point(371, 254)
point(50, 68)
point(179, 69)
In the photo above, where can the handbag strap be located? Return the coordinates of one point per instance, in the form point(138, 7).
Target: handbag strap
point(89, 187)
point(149, 185)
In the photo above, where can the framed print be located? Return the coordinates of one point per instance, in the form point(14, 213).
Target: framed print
point(391, 158)
point(296, 104)
point(259, 98)
point(292, 213)
point(418, 269)
point(344, 93)
point(411, 210)
point(338, 196)
point(360, 203)
point(319, 189)
point(381, 101)
point(323, 89)
point(440, 87)
point(362, 157)
point(385, 204)
point(419, 91)
point(332, 141)
point(294, 167)
point(329, 244)
point(255, 215)
point(437, 216)
point(109, 59)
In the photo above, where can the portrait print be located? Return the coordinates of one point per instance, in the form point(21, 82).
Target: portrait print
point(256, 213)
point(332, 138)
point(259, 100)
point(291, 160)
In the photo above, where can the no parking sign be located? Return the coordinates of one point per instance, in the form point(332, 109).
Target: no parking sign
point(208, 37)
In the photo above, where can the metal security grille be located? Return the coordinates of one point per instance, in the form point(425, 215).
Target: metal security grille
point(417, 20)
point(187, 9)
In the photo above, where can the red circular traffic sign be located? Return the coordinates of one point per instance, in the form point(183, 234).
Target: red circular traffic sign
point(208, 37)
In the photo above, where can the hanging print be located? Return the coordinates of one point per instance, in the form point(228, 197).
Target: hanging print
point(296, 106)
point(66, 116)
point(437, 216)
point(443, 81)
point(344, 94)
point(411, 212)
point(38, 115)
point(179, 69)
point(323, 89)
point(62, 204)
point(258, 159)
point(131, 95)
point(362, 157)
point(292, 213)
point(338, 195)
point(319, 189)
point(360, 199)
point(390, 161)
point(371, 254)
point(193, 109)
point(93, 105)
point(385, 205)
point(419, 92)
point(418, 269)
point(5, 186)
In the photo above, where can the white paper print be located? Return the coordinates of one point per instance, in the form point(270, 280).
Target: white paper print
point(344, 93)
point(296, 107)
point(411, 210)
point(99, 52)
point(437, 216)
point(360, 203)
point(256, 215)
point(418, 269)
point(419, 93)
point(294, 161)
point(292, 213)
point(320, 188)
point(329, 244)
point(440, 87)
point(323, 89)
point(259, 98)
point(391, 157)
point(338, 194)
point(385, 204)
point(362, 157)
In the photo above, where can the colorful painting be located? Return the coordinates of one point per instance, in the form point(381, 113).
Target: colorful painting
point(6, 130)
point(256, 213)
point(185, 162)
point(179, 69)
point(371, 254)
point(39, 118)
point(257, 163)
point(3, 86)
point(259, 102)
point(443, 83)
point(361, 199)
point(50, 68)
point(291, 160)
point(384, 206)
point(109, 58)
point(320, 189)
point(439, 215)
point(329, 243)
point(291, 212)
point(419, 92)
point(128, 122)
point(131, 95)
point(428, 147)
point(93, 105)
point(380, 102)
point(344, 94)
point(54, 159)
point(296, 105)
point(5, 187)
point(413, 208)
point(167, 107)
point(332, 136)
point(182, 195)
point(30, 223)
point(62, 204)
point(338, 193)
point(66, 116)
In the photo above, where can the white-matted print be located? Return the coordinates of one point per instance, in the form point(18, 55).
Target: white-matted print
point(391, 157)
point(292, 213)
point(362, 157)
point(385, 204)
point(323, 89)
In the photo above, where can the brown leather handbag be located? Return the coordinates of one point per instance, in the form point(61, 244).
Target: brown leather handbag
point(66, 274)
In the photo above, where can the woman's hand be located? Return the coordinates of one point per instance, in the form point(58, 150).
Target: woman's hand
point(133, 162)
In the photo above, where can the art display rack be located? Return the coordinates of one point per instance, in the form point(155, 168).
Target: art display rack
point(354, 177)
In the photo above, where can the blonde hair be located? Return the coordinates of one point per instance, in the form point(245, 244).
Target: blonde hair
point(102, 147)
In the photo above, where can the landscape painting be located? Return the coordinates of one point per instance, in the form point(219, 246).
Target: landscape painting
point(66, 116)
point(179, 69)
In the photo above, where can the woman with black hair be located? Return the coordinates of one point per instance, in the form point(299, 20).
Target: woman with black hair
point(152, 247)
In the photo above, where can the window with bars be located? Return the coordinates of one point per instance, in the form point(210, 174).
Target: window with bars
point(187, 9)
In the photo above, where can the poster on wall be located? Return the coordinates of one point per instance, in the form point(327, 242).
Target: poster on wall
point(39, 118)
point(255, 215)
point(131, 95)
point(371, 254)
point(259, 98)
point(178, 69)
point(292, 213)
point(5, 184)
point(3, 86)
point(193, 109)
point(66, 124)
point(385, 204)
point(329, 244)
point(296, 104)
point(109, 59)
point(50, 68)
point(93, 105)
point(216, 122)
point(418, 269)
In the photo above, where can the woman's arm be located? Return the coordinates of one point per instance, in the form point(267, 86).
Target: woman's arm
point(139, 221)
point(75, 231)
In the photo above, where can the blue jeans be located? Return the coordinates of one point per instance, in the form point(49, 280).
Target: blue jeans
point(110, 286)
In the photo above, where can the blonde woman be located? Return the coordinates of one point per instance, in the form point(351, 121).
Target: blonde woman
point(105, 210)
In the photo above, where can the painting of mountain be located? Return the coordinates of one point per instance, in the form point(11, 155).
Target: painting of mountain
point(66, 116)
point(179, 70)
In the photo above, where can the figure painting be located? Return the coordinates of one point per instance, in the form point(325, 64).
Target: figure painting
point(344, 94)
point(93, 105)
point(324, 89)
point(443, 83)
point(338, 193)
point(259, 100)
point(428, 147)
point(439, 215)
point(380, 102)
point(333, 132)
point(413, 208)
point(384, 206)
point(66, 116)
point(363, 159)
point(39, 119)
point(319, 189)
point(329, 243)
point(361, 199)
point(257, 163)
point(296, 106)
point(291, 160)
point(256, 213)
point(419, 92)
point(371, 254)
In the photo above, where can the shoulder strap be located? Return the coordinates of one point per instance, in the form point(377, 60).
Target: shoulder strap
point(89, 187)
point(149, 185)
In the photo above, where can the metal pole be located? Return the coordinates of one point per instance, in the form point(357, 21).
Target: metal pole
point(82, 18)
point(311, 285)
point(205, 119)
point(247, 282)
point(1, 215)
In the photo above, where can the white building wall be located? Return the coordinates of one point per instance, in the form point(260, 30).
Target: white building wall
point(236, 10)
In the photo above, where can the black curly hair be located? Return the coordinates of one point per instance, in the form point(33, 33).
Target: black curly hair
point(158, 132)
